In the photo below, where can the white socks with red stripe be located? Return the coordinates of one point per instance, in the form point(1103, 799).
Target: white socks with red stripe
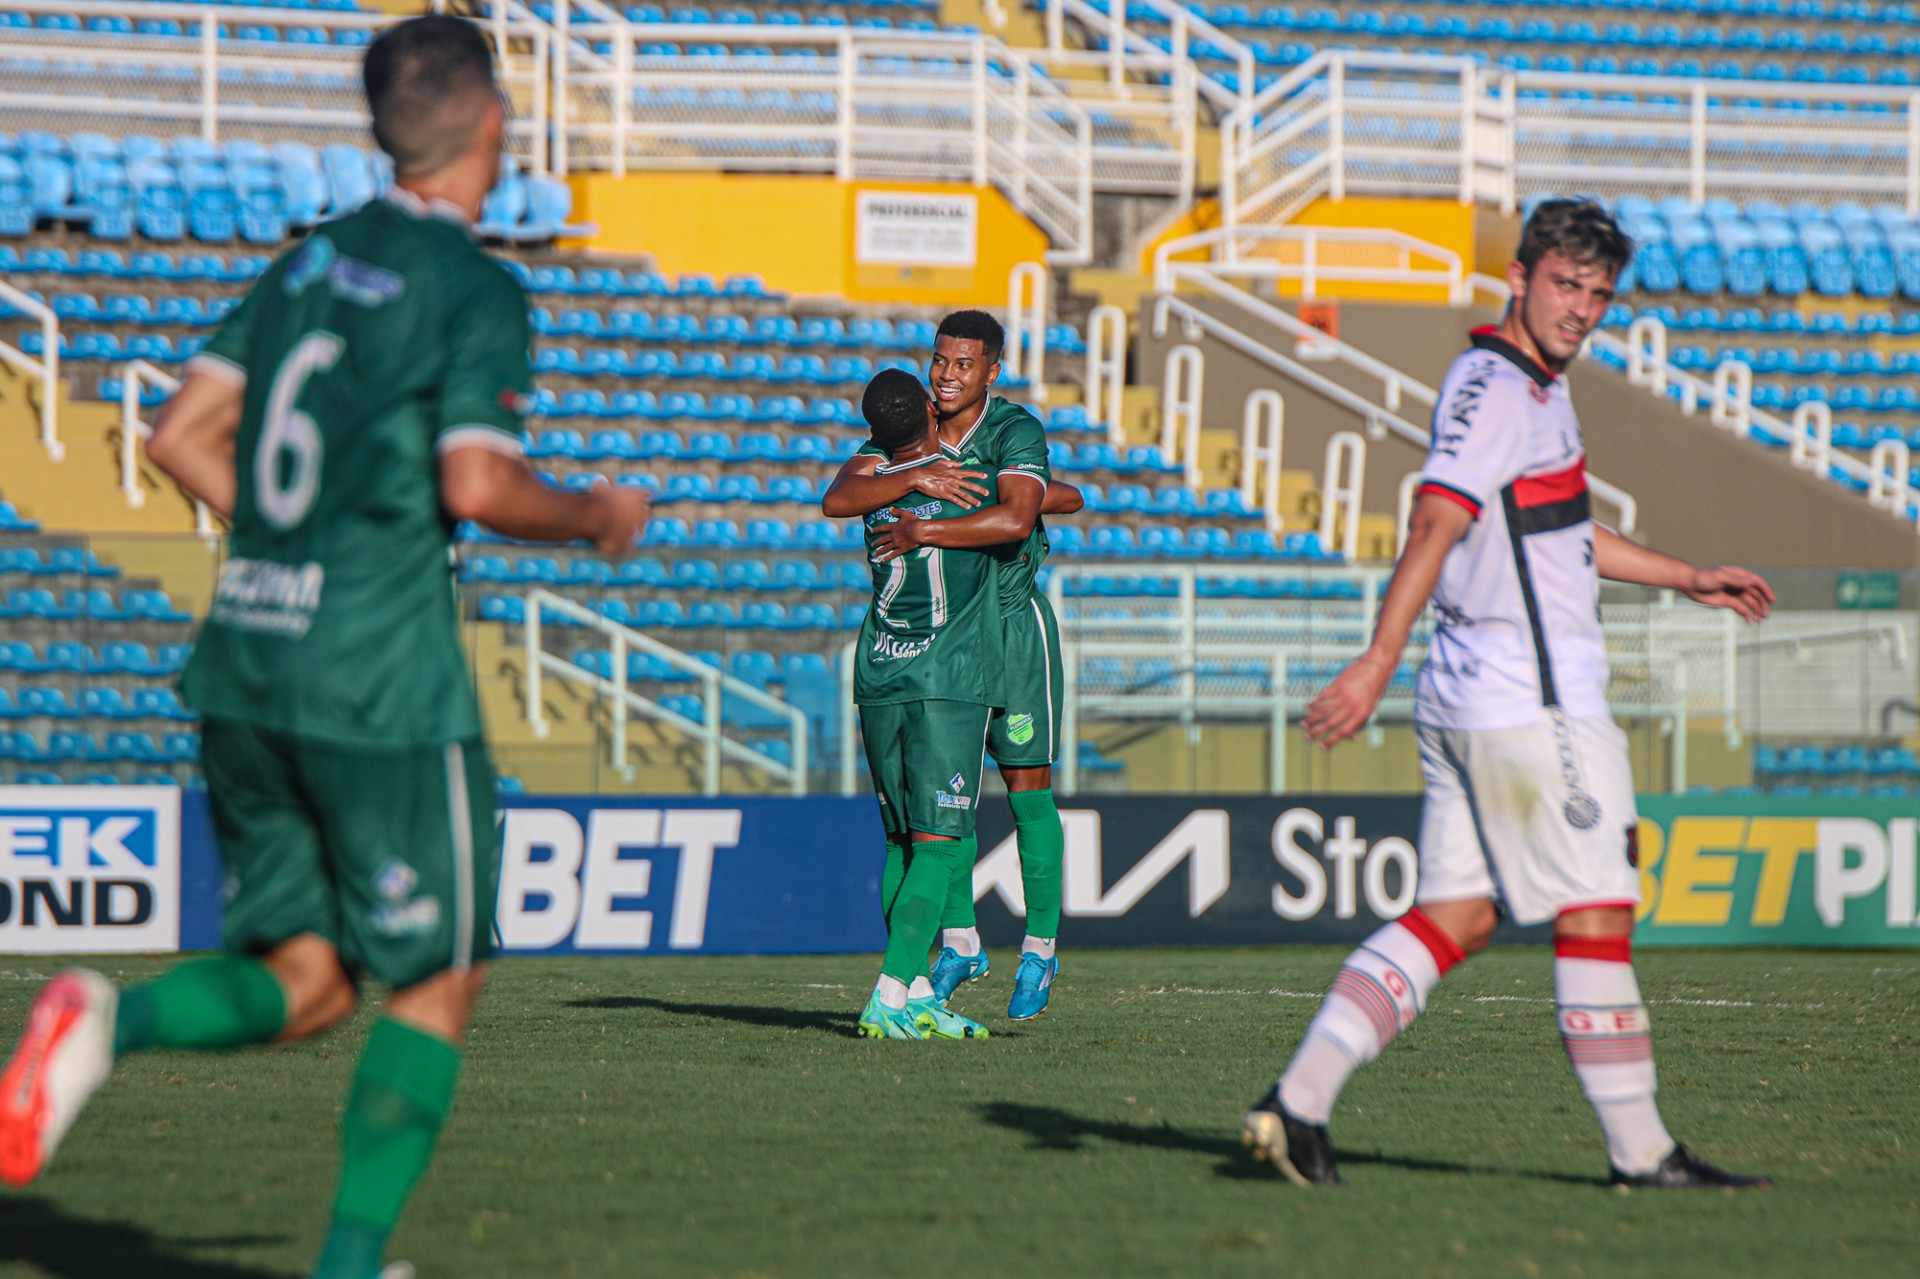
point(1375, 996)
point(1604, 1026)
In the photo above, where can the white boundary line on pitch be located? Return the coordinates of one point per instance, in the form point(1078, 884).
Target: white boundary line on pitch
point(1278, 993)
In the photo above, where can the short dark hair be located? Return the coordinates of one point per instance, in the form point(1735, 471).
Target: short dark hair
point(895, 406)
point(1580, 229)
point(975, 326)
point(427, 80)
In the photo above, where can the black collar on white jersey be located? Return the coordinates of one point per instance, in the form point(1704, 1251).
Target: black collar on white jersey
point(1489, 339)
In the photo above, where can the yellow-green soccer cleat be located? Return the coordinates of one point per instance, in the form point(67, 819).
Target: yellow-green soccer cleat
point(937, 1021)
point(877, 1021)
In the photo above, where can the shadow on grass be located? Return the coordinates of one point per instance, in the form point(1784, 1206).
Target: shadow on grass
point(829, 1023)
point(1054, 1129)
point(38, 1232)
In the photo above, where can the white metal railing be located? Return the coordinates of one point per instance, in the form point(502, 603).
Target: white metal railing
point(219, 80)
point(1263, 428)
point(856, 103)
point(1351, 122)
point(1382, 417)
point(46, 368)
point(715, 684)
point(1263, 254)
point(1026, 349)
point(1107, 370)
point(1182, 390)
point(135, 430)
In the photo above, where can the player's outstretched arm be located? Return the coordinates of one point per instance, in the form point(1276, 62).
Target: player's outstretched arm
point(1009, 520)
point(859, 490)
point(502, 492)
point(1062, 499)
point(193, 438)
point(1621, 560)
point(1344, 706)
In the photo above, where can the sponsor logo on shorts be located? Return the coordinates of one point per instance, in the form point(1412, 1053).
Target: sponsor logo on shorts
point(1020, 729)
point(400, 915)
point(945, 800)
point(957, 782)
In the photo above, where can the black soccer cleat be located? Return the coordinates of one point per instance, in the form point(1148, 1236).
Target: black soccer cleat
point(1300, 1150)
point(1682, 1168)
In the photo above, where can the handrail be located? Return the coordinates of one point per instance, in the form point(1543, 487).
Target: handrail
point(1381, 419)
point(1127, 48)
point(714, 683)
point(46, 368)
point(1452, 274)
point(134, 429)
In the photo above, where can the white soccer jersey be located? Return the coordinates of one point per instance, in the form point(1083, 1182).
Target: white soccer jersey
point(1517, 605)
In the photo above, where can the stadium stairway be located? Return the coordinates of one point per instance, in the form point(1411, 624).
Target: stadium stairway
point(1702, 495)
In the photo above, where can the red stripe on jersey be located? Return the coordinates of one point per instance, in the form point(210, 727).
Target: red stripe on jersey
point(1613, 950)
point(1446, 953)
point(1452, 495)
point(1545, 490)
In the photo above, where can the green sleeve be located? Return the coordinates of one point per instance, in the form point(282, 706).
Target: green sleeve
point(1026, 449)
point(225, 354)
point(488, 390)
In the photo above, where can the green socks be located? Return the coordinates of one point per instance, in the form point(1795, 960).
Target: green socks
point(959, 908)
point(891, 874)
point(221, 1002)
point(401, 1094)
point(916, 910)
point(1043, 846)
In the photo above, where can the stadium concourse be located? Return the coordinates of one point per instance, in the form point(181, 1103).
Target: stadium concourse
point(731, 399)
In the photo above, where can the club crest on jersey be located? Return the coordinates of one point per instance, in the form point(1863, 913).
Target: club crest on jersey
point(1019, 729)
point(1581, 810)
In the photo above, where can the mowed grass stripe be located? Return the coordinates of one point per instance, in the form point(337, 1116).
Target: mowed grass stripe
point(717, 1116)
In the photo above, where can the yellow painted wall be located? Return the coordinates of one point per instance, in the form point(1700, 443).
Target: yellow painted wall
point(796, 233)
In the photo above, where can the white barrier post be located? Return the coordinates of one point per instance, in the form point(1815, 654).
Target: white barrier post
point(536, 711)
point(1733, 396)
point(1106, 369)
point(1026, 352)
point(1180, 409)
point(1812, 437)
point(1647, 353)
point(1262, 432)
point(1409, 487)
point(1346, 453)
point(1890, 482)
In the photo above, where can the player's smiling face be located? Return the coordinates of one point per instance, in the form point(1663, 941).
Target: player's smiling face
point(960, 374)
point(1558, 303)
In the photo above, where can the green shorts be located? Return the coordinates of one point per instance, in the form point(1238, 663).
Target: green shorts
point(392, 855)
point(926, 760)
point(1025, 733)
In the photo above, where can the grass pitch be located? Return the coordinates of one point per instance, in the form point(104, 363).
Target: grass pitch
point(718, 1117)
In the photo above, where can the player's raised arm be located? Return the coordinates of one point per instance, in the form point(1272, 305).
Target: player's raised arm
point(857, 490)
point(1621, 560)
point(193, 440)
point(1008, 520)
point(1344, 706)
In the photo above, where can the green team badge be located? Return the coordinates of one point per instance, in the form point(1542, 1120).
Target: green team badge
point(1019, 729)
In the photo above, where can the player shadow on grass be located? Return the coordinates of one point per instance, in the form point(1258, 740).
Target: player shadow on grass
point(1054, 1129)
point(38, 1232)
point(830, 1023)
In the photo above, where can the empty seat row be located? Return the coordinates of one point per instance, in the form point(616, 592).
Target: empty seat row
point(98, 701)
point(93, 605)
point(1880, 761)
point(57, 561)
point(108, 748)
point(1747, 319)
point(114, 658)
point(698, 487)
point(685, 574)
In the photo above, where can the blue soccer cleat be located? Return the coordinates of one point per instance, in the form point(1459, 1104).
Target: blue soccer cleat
point(1032, 986)
point(953, 969)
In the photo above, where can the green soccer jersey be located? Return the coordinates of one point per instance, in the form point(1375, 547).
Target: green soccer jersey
point(932, 632)
point(1006, 439)
point(385, 339)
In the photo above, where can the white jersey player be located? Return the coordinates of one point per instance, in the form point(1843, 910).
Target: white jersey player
point(1529, 793)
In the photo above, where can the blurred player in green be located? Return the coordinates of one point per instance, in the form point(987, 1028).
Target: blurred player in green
point(367, 395)
point(986, 437)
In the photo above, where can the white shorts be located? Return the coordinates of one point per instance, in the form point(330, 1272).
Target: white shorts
point(1541, 817)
